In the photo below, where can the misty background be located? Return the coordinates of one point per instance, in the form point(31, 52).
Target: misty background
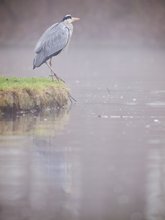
point(112, 22)
point(105, 157)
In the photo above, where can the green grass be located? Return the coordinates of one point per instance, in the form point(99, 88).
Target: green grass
point(10, 83)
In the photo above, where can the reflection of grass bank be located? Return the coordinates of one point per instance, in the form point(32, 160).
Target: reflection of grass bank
point(42, 124)
point(31, 94)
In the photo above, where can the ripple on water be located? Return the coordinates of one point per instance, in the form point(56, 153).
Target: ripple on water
point(156, 104)
point(158, 92)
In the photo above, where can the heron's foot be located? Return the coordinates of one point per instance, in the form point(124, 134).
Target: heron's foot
point(55, 77)
point(52, 77)
point(58, 78)
point(71, 98)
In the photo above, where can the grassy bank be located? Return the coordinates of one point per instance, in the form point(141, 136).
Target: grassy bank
point(31, 94)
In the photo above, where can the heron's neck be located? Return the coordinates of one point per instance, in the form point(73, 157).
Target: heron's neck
point(70, 28)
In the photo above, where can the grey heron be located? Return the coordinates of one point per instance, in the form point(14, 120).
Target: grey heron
point(53, 41)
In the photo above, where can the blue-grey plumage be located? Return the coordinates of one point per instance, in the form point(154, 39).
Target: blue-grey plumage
point(53, 40)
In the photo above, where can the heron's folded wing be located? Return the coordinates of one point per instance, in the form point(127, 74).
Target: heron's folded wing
point(54, 39)
point(38, 46)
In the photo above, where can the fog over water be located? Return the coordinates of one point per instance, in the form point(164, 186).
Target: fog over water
point(102, 158)
point(116, 22)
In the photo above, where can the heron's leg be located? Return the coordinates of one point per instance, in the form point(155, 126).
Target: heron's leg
point(50, 64)
point(51, 70)
point(58, 78)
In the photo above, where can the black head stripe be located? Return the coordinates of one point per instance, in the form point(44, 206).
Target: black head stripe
point(67, 17)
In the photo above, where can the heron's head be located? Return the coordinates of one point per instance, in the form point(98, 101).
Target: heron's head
point(69, 19)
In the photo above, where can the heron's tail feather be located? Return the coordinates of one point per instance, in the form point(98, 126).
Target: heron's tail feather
point(38, 60)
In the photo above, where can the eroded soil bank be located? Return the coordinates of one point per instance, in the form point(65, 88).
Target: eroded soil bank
point(31, 94)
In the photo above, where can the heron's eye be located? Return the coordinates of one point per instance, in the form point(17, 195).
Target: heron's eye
point(67, 17)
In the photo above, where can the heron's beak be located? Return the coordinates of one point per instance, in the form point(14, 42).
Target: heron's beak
point(75, 19)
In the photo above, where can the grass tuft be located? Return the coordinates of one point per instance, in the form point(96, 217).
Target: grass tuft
point(9, 83)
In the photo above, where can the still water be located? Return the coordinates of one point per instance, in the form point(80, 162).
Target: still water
point(102, 158)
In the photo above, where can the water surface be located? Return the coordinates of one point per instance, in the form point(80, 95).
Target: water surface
point(103, 158)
